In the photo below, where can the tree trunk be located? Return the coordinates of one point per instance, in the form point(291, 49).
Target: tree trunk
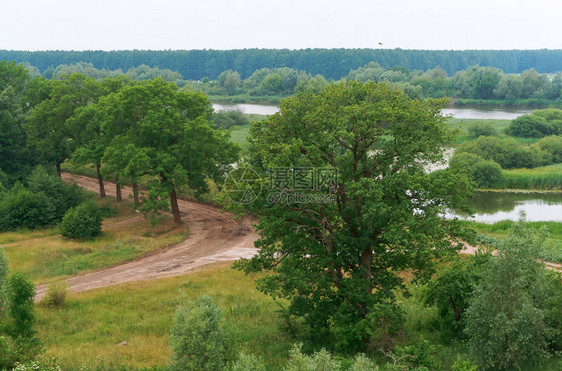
point(135, 192)
point(58, 169)
point(174, 205)
point(100, 181)
point(117, 190)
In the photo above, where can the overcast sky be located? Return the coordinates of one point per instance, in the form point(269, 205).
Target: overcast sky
point(293, 24)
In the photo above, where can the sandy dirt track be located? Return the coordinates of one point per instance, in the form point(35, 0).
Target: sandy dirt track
point(213, 236)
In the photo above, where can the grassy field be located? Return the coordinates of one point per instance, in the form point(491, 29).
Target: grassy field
point(95, 323)
point(44, 255)
point(499, 230)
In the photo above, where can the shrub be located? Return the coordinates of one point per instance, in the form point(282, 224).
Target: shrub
point(552, 145)
point(197, 340)
point(62, 196)
point(482, 129)
point(450, 291)
point(506, 320)
point(487, 174)
point(463, 365)
point(3, 283)
point(82, 222)
point(56, 294)
point(21, 208)
point(21, 306)
point(321, 360)
point(230, 118)
point(508, 153)
point(540, 123)
point(248, 362)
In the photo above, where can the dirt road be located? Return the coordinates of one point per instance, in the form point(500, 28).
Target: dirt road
point(213, 236)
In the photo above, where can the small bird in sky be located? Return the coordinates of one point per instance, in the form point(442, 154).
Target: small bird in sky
point(380, 43)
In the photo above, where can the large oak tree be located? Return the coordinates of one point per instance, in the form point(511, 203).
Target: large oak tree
point(336, 261)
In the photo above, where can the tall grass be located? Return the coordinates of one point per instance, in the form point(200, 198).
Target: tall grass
point(542, 178)
point(141, 313)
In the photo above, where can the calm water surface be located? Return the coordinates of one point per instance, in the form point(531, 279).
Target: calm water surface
point(491, 207)
point(461, 113)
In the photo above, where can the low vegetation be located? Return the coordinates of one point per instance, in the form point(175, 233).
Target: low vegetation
point(44, 255)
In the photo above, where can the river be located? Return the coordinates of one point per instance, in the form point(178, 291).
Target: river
point(491, 207)
point(457, 112)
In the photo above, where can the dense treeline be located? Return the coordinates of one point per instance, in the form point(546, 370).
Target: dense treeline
point(474, 85)
point(330, 63)
point(127, 129)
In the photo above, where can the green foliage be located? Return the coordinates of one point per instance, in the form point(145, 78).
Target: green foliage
point(508, 153)
point(248, 362)
point(552, 145)
point(485, 129)
point(21, 307)
point(420, 356)
point(506, 320)
point(61, 195)
point(321, 360)
point(56, 294)
point(17, 351)
point(485, 173)
point(170, 143)
point(22, 208)
point(82, 222)
point(343, 260)
point(553, 305)
point(198, 340)
point(450, 291)
point(4, 287)
point(543, 178)
point(462, 364)
point(540, 123)
point(230, 118)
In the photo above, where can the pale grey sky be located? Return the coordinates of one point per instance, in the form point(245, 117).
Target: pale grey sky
point(293, 24)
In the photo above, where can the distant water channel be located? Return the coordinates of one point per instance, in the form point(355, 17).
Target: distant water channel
point(460, 113)
point(491, 207)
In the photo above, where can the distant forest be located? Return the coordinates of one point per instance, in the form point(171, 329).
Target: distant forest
point(330, 63)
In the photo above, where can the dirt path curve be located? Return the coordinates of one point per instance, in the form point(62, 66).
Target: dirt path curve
point(213, 236)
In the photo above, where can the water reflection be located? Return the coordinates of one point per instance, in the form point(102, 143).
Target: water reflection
point(491, 207)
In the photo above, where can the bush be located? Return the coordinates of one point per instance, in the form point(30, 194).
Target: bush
point(230, 118)
point(82, 222)
point(56, 294)
point(21, 306)
point(506, 319)
point(508, 153)
point(482, 129)
point(197, 340)
point(62, 196)
point(540, 123)
point(21, 208)
point(248, 362)
point(552, 145)
point(3, 284)
point(485, 173)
